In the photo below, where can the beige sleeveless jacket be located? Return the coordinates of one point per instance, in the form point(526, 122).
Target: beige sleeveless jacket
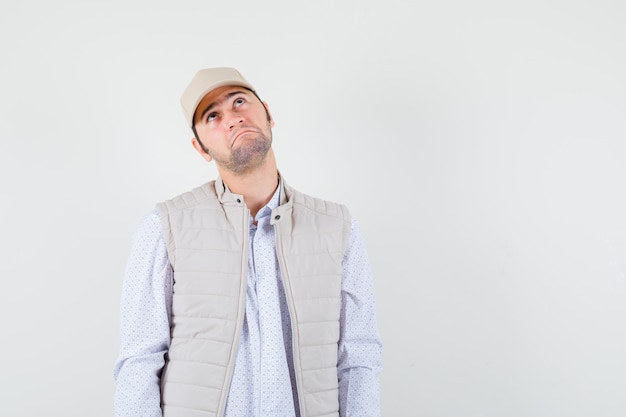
point(206, 231)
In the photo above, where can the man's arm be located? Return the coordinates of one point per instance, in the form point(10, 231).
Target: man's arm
point(145, 315)
point(360, 348)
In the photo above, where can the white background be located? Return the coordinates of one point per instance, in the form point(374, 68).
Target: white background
point(480, 144)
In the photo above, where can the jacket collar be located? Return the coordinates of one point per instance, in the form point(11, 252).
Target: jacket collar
point(225, 196)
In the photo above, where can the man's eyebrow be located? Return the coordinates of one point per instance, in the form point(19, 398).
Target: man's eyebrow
point(215, 103)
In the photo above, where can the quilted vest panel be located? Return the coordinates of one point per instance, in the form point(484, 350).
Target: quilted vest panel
point(206, 231)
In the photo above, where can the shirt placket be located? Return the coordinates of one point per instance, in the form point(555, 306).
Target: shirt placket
point(273, 358)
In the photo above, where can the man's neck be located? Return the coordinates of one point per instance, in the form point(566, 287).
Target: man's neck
point(256, 187)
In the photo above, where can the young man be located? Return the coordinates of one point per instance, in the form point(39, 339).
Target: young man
point(245, 297)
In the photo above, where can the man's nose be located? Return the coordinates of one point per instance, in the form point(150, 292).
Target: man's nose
point(234, 120)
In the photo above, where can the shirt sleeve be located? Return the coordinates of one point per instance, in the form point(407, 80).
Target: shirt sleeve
point(360, 348)
point(145, 315)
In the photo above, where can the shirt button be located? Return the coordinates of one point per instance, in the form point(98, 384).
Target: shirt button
point(239, 200)
point(277, 217)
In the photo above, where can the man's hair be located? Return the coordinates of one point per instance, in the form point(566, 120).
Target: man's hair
point(195, 132)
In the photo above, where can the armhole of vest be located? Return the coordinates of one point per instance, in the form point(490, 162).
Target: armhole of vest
point(347, 227)
point(164, 214)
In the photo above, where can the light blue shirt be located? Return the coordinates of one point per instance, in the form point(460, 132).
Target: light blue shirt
point(263, 382)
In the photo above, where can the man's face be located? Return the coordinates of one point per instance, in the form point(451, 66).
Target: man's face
point(234, 129)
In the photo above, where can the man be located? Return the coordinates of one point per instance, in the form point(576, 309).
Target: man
point(245, 297)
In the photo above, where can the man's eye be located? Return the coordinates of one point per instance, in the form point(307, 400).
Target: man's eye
point(211, 117)
point(239, 102)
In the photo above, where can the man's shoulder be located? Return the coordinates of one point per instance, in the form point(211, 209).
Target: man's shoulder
point(191, 198)
point(303, 201)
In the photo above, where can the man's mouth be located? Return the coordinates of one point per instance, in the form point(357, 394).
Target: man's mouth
point(239, 134)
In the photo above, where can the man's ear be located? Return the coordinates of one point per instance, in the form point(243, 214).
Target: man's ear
point(269, 115)
point(198, 147)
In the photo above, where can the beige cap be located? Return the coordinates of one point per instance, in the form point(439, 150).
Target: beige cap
point(205, 81)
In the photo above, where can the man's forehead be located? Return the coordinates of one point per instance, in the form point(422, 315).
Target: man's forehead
point(221, 93)
point(217, 96)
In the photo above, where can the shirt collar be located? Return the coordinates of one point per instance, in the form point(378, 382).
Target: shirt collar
point(271, 205)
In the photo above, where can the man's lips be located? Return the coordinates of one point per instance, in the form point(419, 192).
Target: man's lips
point(239, 133)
